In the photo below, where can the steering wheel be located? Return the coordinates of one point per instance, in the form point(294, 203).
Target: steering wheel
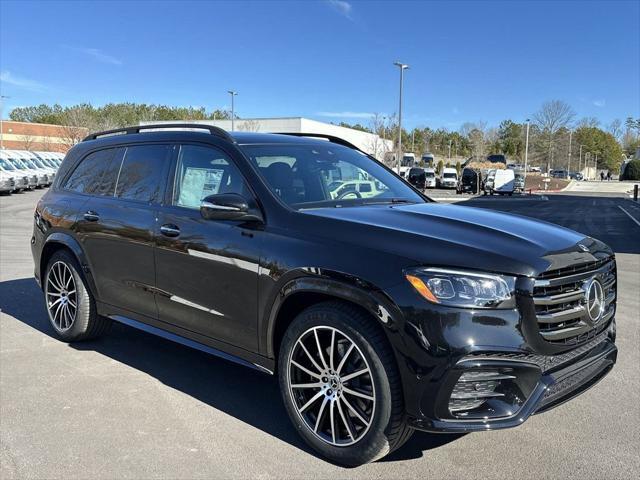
point(349, 194)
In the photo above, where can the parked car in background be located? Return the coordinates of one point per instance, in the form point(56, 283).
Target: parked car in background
point(31, 176)
point(356, 189)
point(428, 159)
point(576, 176)
point(534, 169)
point(448, 178)
point(378, 315)
point(559, 173)
point(417, 177)
point(7, 181)
point(430, 180)
point(504, 182)
point(487, 186)
point(470, 181)
point(519, 181)
point(25, 157)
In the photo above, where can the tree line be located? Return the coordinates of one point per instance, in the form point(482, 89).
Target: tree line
point(554, 132)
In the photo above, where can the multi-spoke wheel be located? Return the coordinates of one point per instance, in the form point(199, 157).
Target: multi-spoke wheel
point(330, 383)
point(70, 306)
point(340, 384)
point(62, 301)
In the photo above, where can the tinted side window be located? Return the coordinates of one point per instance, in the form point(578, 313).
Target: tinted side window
point(141, 173)
point(87, 176)
point(204, 171)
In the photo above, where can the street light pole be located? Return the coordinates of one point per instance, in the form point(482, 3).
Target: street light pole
point(526, 151)
point(449, 150)
point(580, 158)
point(569, 165)
point(233, 113)
point(2, 97)
point(402, 68)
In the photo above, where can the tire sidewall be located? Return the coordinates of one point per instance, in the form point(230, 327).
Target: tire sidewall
point(83, 298)
point(374, 443)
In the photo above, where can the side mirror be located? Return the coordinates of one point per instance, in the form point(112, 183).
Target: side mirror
point(227, 206)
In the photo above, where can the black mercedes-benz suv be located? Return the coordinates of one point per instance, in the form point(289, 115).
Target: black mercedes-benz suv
point(379, 310)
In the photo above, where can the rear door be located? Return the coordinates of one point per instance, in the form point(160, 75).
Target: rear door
point(207, 270)
point(117, 225)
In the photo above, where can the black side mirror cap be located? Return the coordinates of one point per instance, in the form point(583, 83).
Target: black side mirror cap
point(227, 206)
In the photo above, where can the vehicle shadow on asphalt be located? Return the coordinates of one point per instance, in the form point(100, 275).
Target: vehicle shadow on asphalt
point(227, 387)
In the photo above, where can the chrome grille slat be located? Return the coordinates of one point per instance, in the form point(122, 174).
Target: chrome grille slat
point(562, 316)
point(559, 300)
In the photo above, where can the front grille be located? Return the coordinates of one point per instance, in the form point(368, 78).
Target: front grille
point(560, 301)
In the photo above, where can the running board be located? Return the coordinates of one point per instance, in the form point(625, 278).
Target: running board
point(187, 342)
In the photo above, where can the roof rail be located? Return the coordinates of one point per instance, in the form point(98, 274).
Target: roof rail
point(217, 131)
point(331, 138)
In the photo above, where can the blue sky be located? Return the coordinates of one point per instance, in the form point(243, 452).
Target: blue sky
point(328, 60)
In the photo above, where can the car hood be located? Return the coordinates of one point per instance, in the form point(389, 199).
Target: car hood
point(455, 236)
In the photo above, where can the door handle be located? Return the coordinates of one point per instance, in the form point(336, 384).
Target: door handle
point(169, 230)
point(91, 216)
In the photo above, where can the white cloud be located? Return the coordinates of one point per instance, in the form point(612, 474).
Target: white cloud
point(601, 102)
point(342, 7)
point(346, 114)
point(21, 82)
point(98, 55)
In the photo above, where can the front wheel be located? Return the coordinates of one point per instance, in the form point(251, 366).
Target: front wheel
point(340, 384)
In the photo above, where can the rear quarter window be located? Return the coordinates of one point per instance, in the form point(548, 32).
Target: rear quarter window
point(87, 177)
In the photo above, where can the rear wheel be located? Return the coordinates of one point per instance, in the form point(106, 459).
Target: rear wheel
point(70, 304)
point(340, 385)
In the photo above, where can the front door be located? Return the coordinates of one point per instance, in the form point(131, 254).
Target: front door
point(207, 270)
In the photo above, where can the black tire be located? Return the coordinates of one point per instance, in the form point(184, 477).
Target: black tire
point(85, 323)
point(387, 429)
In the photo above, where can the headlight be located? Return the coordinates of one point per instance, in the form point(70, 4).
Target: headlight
point(463, 289)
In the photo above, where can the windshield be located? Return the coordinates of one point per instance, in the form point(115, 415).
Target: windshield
point(306, 176)
point(431, 174)
point(449, 175)
point(18, 164)
point(6, 165)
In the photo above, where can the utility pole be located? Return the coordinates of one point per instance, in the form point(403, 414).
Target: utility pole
point(569, 164)
point(526, 151)
point(402, 68)
point(413, 141)
point(580, 158)
point(233, 113)
point(449, 150)
point(2, 97)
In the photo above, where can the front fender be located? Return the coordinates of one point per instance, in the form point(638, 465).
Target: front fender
point(332, 285)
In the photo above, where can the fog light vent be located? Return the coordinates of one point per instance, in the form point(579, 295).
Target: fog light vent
point(474, 388)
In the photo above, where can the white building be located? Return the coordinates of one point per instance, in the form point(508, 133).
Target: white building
point(367, 142)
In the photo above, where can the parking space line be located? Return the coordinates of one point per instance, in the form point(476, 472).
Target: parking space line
point(630, 216)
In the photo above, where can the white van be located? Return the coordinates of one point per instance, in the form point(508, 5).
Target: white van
point(430, 181)
point(504, 182)
point(449, 178)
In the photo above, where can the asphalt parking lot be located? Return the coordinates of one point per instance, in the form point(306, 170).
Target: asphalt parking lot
point(135, 406)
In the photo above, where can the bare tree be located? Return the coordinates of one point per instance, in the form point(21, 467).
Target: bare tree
point(249, 126)
point(615, 128)
point(477, 135)
point(28, 141)
point(378, 146)
point(77, 123)
point(550, 119)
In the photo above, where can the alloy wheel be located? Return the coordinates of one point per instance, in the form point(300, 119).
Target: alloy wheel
point(331, 386)
point(61, 295)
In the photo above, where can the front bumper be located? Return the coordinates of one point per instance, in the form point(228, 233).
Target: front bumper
point(552, 388)
point(436, 346)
